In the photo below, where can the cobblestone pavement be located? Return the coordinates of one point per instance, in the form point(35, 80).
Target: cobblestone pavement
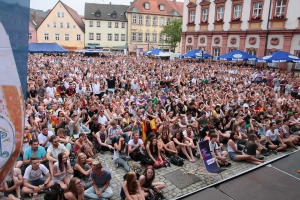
point(171, 191)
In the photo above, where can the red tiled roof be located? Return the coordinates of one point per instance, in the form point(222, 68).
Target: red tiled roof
point(170, 7)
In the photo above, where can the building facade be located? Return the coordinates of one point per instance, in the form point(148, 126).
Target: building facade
point(258, 27)
point(105, 26)
point(64, 26)
point(35, 19)
point(146, 19)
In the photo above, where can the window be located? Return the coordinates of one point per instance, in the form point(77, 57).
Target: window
point(116, 37)
point(98, 23)
point(280, 7)
point(133, 36)
point(252, 52)
point(91, 23)
point(30, 36)
point(56, 36)
point(161, 37)
point(147, 37)
point(98, 36)
point(74, 26)
point(61, 25)
point(91, 36)
point(109, 24)
point(48, 25)
point(168, 21)
point(192, 16)
point(46, 36)
point(123, 24)
point(257, 7)
point(116, 24)
point(54, 24)
point(168, 37)
point(62, 14)
point(122, 37)
point(67, 37)
point(140, 19)
point(109, 36)
point(154, 21)
point(237, 11)
point(154, 35)
point(162, 7)
point(205, 15)
point(58, 14)
point(220, 12)
point(162, 21)
point(140, 37)
point(147, 20)
point(97, 13)
point(216, 53)
point(68, 25)
point(189, 48)
point(134, 19)
point(147, 6)
point(78, 37)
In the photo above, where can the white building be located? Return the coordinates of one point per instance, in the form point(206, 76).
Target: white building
point(106, 26)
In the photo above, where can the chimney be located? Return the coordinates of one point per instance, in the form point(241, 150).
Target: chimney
point(34, 15)
point(110, 3)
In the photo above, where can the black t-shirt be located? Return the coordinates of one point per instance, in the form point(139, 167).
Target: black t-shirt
point(251, 148)
point(111, 83)
point(92, 113)
point(203, 132)
point(33, 93)
point(94, 127)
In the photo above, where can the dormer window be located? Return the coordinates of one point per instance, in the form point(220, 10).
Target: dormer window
point(161, 7)
point(114, 14)
point(147, 6)
point(97, 13)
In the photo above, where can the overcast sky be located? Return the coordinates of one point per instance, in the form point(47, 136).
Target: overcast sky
point(77, 5)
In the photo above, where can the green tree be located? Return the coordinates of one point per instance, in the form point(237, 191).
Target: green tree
point(173, 32)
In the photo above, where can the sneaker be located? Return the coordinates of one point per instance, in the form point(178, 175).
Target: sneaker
point(117, 165)
point(260, 158)
point(274, 151)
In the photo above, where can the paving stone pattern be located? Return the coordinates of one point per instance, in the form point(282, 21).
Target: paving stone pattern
point(171, 191)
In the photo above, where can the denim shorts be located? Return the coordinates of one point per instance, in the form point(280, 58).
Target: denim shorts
point(232, 155)
point(37, 182)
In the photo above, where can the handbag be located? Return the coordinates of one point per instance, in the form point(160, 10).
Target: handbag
point(175, 160)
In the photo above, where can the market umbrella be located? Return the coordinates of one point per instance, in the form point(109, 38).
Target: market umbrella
point(237, 55)
point(153, 52)
point(278, 57)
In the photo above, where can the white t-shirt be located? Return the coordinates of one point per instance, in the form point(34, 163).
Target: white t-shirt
point(42, 138)
point(213, 146)
point(102, 120)
point(51, 91)
point(33, 175)
point(55, 151)
point(132, 144)
point(185, 133)
point(273, 136)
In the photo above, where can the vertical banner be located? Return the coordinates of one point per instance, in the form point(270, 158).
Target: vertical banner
point(14, 27)
point(209, 161)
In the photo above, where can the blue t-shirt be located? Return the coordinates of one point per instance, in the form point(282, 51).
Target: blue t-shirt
point(101, 181)
point(41, 152)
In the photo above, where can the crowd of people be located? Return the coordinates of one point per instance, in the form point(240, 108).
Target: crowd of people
point(147, 111)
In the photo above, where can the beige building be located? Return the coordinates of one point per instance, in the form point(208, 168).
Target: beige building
point(64, 26)
point(105, 26)
point(146, 19)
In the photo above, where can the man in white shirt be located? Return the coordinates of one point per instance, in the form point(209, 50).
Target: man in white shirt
point(33, 177)
point(50, 89)
point(54, 149)
point(44, 137)
point(134, 145)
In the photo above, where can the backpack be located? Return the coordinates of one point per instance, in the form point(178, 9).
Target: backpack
point(175, 160)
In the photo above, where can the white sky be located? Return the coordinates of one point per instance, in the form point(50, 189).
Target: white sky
point(77, 5)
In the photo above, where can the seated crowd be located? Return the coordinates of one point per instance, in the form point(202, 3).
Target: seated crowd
point(146, 111)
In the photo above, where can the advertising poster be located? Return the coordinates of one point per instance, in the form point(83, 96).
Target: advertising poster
point(206, 154)
point(14, 26)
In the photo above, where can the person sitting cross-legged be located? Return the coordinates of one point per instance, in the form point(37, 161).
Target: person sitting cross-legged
point(75, 190)
point(60, 170)
point(12, 185)
point(32, 179)
point(101, 183)
point(220, 156)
